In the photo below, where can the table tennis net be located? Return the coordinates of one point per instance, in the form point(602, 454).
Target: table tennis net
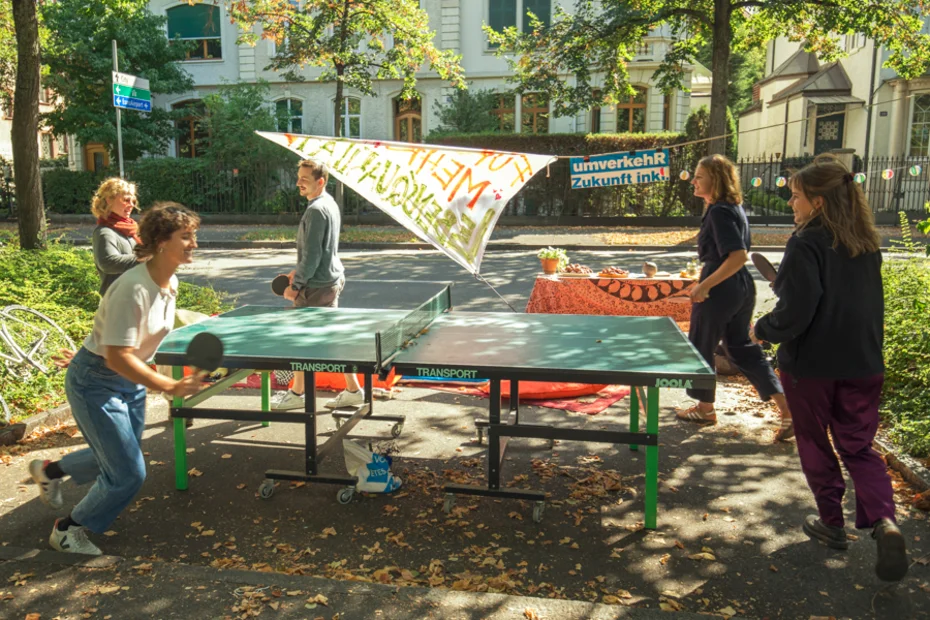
point(401, 334)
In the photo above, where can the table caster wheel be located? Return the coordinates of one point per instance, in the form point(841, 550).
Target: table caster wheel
point(538, 511)
point(396, 430)
point(338, 423)
point(345, 495)
point(266, 490)
point(448, 503)
point(480, 435)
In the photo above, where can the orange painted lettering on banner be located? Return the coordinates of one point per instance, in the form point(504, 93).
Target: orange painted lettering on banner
point(432, 163)
point(452, 173)
point(480, 186)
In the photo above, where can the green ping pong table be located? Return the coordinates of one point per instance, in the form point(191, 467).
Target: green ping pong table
point(646, 353)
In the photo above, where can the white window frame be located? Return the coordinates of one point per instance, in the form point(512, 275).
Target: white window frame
point(274, 46)
point(290, 115)
point(521, 12)
point(222, 37)
point(346, 116)
point(910, 124)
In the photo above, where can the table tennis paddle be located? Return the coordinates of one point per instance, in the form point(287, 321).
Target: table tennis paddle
point(280, 284)
point(204, 353)
point(765, 268)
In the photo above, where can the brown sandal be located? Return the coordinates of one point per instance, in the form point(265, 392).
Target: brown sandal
point(785, 431)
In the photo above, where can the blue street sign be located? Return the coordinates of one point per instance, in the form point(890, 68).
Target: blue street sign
point(132, 104)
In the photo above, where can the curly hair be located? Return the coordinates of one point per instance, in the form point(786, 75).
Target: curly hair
point(114, 186)
point(161, 221)
point(845, 211)
point(724, 178)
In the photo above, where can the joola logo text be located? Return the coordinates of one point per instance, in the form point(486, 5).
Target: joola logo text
point(318, 367)
point(447, 373)
point(675, 383)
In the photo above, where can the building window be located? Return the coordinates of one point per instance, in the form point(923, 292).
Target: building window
point(192, 137)
point(506, 111)
point(631, 113)
point(666, 113)
point(199, 26)
point(351, 117)
point(534, 113)
point(408, 120)
point(45, 144)
point(596, 114)
point(290, 113)
point(920, 127)
point(61, 145)
point(514, 13)
point(281, 48)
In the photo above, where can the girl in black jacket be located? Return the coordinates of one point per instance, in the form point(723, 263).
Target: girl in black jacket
point(829, 322)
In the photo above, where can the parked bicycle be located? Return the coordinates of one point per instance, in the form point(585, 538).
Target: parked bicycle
point(30, 342)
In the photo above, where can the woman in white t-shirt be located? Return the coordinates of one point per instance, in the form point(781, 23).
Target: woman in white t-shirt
point(107, 380)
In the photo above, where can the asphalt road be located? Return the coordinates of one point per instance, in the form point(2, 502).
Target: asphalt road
point(400, 279)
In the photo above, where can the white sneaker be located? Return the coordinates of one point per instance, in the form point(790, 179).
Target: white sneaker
point(49, 490)
point(74, 540)
point(289, 400)
point(346, 398)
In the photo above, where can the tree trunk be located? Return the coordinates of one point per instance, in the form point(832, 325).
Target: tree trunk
point(720, 67)
point(25, 131)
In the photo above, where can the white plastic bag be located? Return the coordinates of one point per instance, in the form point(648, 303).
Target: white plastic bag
point(373, 471)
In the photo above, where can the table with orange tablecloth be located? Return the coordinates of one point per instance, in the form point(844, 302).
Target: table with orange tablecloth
point(553, 294)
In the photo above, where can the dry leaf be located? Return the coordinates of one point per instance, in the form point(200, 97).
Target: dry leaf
point(33, 617)
point(727, 611)
point(319, 598)
point(108, 589)
point(226, 456)
point(530, 614)
point(702, 556)
point(110, 533)
point(665, 558)
point(330, 531)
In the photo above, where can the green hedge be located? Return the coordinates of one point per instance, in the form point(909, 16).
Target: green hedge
point(560, 143)
point(62, 283)
point(905, 403)
point(771, 202)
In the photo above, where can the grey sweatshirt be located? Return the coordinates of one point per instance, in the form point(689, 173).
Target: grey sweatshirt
point(112, 255)
point(318, 264)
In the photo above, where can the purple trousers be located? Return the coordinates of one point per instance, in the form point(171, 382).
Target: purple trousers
point(849, 408)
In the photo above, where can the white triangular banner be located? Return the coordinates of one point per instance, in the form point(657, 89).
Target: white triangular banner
point(449, 197)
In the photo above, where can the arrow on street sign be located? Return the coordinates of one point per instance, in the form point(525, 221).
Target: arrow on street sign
point(131, 92)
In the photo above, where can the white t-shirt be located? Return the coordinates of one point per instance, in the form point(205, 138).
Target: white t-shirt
point(135, 312)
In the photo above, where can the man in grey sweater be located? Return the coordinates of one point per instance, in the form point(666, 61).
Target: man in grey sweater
point(319, 277)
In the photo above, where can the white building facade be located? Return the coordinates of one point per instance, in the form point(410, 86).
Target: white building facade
point(457, 25)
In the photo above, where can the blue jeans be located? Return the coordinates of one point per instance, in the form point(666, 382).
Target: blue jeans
point(110, 411)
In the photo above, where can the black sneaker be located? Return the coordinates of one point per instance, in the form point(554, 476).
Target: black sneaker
point(892, 552)
point(833, 537)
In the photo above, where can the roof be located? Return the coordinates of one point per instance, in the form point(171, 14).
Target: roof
point(799, 63)
point(830, 80)
point(833, 99)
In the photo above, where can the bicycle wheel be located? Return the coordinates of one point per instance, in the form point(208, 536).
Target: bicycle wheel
point(33, 336)
point(4, 412)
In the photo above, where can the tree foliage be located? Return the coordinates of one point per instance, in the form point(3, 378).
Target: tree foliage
point(232, 116)
point(80, 62)
point(467, 112)
point(581, 59)
point(354, 42)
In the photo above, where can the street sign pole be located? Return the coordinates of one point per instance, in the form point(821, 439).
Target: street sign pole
point(119, 124)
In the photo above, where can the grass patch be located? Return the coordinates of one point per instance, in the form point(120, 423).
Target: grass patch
point(61, 282)
point(349, 234)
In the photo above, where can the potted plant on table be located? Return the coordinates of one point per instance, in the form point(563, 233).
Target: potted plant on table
point(552, 259)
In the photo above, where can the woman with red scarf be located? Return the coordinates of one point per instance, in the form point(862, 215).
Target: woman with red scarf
point(117, 233)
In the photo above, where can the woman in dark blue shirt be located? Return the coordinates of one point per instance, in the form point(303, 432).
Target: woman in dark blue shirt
point(725, 296)
point(829, 320)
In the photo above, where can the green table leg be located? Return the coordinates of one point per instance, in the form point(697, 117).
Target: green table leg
point(634, 414)
point(652, 458)
point(180, 438)
point(266, 394)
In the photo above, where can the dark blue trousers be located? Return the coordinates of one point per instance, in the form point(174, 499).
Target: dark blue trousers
point(725, 316)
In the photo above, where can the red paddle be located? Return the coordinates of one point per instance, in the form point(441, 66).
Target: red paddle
point(765, 268)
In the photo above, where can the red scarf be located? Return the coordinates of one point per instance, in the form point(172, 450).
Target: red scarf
point(125, 226)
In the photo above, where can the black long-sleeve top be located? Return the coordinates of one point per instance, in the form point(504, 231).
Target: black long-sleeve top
point(830, 311)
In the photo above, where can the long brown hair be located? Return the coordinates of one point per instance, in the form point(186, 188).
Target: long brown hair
point(845, 211)
point(724, 178)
